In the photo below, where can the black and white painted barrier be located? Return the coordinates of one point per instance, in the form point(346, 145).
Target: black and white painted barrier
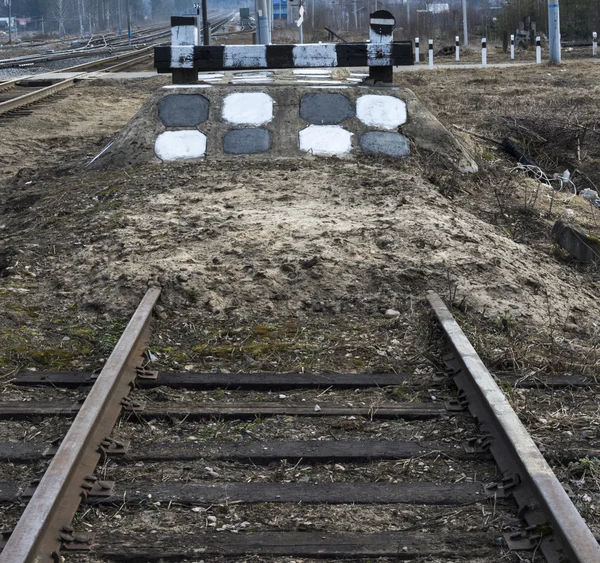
point(594, 44)
point(457, 48)
point(538, 50)
point(431, 53)
point(202, 121)
point(483, 52)
point(184, 57)
point(512, 47)
point(416, 49)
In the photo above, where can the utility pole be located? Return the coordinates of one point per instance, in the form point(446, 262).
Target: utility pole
point(465, 26)
point(465, 30)
point(205, 24)
point(43, 33)
point(90, 22)
point(554, 31)
point(128, 22)
point(9, 21)
point(119, 10)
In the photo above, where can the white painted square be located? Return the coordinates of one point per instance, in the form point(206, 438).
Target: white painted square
point(179, 145)
point(182, 57)
point(323, 54)
point(245, 56)
point(184, 35)
point(327, 140)
point(248, 108)
point(384, 112)
point(379, 54)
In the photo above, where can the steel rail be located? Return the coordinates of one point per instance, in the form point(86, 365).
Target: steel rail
point(529, 478)
point(37, 535)
point(100, 62)
point(40, 94)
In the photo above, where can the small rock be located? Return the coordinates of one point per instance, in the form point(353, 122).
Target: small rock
point(391, 313)
point(339, 467)
point(210, 471)
point(317, 408)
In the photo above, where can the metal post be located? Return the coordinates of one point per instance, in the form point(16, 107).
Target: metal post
point(90, 22)
point(483, 52)
point(457, 48)
point(538, 50)
point(553, 31)
point(263, 22)
point(416, 49)
point(465, 30)
point(128, 22)
point(205, 24)
point(512, 47)
point(431, 53)
point(10, 21)
point(43, 32)
point(119, 10)
point(300, 22)
point(594, 44)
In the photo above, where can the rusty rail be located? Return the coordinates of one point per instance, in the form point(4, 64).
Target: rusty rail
point(44, 525)
point(528, 477)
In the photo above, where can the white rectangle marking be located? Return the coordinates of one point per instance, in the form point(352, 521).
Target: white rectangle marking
point(182, 57)
point(315, 55)
point(381, 21)
point(245, 56)
point(379, 54)
point(184, 35)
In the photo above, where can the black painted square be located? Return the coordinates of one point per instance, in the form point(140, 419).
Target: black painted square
point(326, 109)
point(183, 110)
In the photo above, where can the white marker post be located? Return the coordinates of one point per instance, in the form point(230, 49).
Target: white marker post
point(483, 52)
point(431, 53)
point(512, 47)
point(457, 48)
point(416, 49)
point(538, 50)
point(594, 44)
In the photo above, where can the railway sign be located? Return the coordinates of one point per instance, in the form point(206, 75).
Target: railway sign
point(382, 22)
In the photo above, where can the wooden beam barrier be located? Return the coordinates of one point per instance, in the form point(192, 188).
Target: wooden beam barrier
point(234, 57)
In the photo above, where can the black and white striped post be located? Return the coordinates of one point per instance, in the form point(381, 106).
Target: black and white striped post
point(483, 52)
point(431, 53)
point(184, 37)
point(416, 49)
point(538, 50)
point(457, 48)
point(512, 47)
point(381, 35)
point(594, 44)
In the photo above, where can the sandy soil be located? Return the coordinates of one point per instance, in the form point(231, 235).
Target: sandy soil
point(292, 265)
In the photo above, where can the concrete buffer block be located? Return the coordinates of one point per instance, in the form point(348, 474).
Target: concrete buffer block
point(258, 121)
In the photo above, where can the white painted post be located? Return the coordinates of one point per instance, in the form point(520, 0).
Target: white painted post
point(594, 44)
point(457, 48)
point(483, 52)
point(512, 47)
point(431, 53)
point(416, 49)
point(538, 50)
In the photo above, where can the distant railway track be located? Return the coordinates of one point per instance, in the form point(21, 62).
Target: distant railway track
point(17, 94)
point(44, 532)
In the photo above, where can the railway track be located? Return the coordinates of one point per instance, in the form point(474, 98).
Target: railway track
point(298, 465)
point(16, 95)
